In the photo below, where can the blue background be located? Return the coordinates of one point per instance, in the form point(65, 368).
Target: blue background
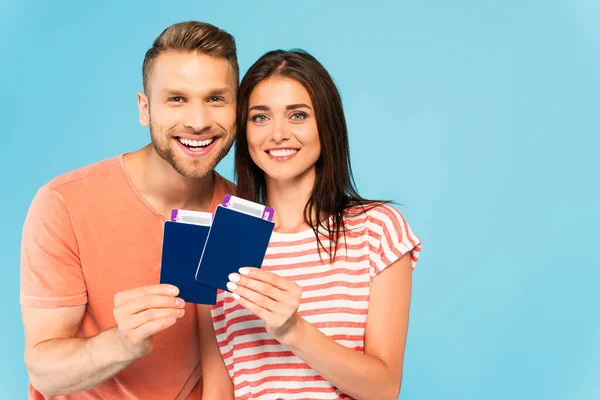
point(481, 118)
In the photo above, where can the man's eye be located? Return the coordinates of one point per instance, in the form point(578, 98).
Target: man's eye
point(216, 99)
point(176, 99)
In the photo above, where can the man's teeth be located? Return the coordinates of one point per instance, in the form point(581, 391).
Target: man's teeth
point(283, 152)
point(196, 143)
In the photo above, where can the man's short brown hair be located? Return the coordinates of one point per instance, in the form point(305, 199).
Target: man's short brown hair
point(192, 36)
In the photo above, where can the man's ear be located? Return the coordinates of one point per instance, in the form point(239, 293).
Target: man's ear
point(144, 109)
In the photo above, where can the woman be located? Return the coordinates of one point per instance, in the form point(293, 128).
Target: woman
point(326, 316)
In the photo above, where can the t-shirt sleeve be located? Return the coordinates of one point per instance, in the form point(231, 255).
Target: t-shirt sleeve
point(395, 239)
point(51, 274)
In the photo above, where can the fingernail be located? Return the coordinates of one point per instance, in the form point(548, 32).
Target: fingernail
point(180, 312)
point(173, 290)
point(180, 302)
point(231, 286)
point(244, 271)
point(236, 296)
point(234, 277)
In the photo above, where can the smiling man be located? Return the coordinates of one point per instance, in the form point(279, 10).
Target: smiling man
point(97, 324)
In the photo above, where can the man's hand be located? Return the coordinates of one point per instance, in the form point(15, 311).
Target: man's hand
point(144, 311)
point(61, 363)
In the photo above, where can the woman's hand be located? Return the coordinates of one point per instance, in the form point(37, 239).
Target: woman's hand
point(270, 297)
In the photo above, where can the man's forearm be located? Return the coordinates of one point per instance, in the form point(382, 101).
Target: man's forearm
point(70, 365)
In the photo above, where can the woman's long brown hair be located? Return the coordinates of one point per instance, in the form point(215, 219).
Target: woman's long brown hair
point(334, 192)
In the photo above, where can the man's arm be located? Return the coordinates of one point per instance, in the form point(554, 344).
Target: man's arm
point(60, 363)
point(216, 382)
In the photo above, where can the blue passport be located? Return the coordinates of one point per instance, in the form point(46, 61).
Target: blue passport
point(235, 240)
point(181, 251)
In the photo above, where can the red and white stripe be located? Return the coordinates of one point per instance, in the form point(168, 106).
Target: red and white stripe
point(335, 299)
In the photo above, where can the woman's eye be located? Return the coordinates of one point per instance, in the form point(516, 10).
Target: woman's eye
point(298, 116)
point(259, 118)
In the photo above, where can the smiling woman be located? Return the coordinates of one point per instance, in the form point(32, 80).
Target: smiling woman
point(309, 325)
point(279, 106)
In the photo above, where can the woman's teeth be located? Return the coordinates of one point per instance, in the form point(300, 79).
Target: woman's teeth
point(282, 152)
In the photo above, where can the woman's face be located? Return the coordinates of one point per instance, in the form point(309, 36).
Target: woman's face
point(282, 134)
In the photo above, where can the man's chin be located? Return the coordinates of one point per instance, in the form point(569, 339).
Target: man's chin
point(194, 170)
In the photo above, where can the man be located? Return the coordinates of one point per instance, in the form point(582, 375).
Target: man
point(97, 323)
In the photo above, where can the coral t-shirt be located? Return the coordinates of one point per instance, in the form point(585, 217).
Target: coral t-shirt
point(88, 235)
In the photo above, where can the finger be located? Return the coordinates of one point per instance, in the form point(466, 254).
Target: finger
point(151, 327)
point(148, 302)
point(257, 298)
point(161, 289)
point(136, 320)
point(255, 309)
point(268, 277)
point(264, 288)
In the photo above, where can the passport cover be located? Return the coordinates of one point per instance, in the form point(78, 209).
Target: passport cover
point(181, 251)
point(235, 240)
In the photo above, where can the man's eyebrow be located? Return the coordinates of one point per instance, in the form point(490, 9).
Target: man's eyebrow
point(212, 92)
point(220, 92)
point(172, 92)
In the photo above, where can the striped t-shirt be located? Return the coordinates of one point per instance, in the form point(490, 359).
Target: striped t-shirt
point(335, 299)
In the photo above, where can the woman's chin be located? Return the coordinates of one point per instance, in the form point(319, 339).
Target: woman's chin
point(284, 175)
point(281, 178)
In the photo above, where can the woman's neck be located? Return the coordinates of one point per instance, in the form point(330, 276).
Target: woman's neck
point(288, 198)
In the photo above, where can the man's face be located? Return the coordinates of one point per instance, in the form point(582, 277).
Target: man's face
point(190, 109)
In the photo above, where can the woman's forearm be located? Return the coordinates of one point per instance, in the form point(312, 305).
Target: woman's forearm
point(359, 375)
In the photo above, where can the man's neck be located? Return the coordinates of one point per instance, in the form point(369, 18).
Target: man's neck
point(163, 187)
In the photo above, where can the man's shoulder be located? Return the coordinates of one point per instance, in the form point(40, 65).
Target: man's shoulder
point(97, 176)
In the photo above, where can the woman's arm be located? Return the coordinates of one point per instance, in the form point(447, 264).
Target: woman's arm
point(374, 374)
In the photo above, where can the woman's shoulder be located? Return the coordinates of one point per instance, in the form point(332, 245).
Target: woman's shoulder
point(374, 213)
point(380, 220)
point(392, 235)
